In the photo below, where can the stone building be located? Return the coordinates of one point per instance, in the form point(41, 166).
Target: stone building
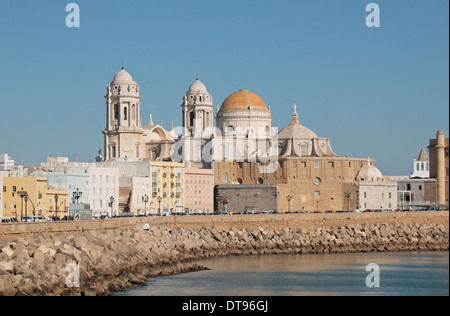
point(309, 175)
point(124, 135)
point(439, 166)
point(251, 198)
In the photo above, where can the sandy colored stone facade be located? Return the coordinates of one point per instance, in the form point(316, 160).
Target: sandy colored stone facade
point(315, 184)
point(439, 165)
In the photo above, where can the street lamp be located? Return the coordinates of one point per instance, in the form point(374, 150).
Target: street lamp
point(145, 200)
point(111, 199)
point(22, 195)
point(159, 201)
point(56, 205)
point(76, 196)
point(289, 199)
point(26, 204)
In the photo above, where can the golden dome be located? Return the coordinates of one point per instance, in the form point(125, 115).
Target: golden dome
point(242, 101)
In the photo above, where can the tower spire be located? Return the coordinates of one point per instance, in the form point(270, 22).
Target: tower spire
point(295, 116)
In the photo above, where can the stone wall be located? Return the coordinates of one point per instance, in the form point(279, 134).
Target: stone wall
point(117, 254)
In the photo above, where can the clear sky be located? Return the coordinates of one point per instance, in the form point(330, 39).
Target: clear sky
point(376, 92)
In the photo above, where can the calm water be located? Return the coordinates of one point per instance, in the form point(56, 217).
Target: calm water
point(405, 274)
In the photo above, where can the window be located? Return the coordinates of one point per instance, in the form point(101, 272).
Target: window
point(317, 181)
point(317, 164)
point(230, 129)
point(225, 177)
point(317, 193)
point(420, 188)
point(14, 189)
point(125, 112)
point(116, 111)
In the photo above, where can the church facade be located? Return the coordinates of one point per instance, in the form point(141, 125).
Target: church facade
point(243, 148)
point(125, 138)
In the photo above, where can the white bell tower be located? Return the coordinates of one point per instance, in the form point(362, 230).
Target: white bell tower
point(198, 110)
point(123, 132)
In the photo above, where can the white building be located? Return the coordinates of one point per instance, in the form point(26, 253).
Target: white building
point(421, 166)
point(104, 190)
point(124, 135)
point(60, 164)
point(376, 192)
point(6, 163)
point(95, 185)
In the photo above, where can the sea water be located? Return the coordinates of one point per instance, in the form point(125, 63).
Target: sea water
point(400, 274)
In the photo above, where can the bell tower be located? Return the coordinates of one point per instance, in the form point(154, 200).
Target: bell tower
point(198, 110)
point(123, 132)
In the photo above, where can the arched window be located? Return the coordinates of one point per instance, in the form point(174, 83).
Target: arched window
point(116, 111)
point(125, 114)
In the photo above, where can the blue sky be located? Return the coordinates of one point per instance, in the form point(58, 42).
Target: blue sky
point(379, 92)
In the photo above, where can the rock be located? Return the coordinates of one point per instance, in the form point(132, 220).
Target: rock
point(8, 251)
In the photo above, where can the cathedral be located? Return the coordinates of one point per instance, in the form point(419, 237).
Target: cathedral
point(124, 136)
point(295, 165)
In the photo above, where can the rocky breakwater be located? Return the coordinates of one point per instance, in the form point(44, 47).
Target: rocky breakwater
point(120, 258)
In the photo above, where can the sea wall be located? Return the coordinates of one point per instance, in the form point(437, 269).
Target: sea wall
point(129, 252)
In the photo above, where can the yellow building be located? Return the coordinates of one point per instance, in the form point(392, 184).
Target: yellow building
point(40, 201)
point(167, 181)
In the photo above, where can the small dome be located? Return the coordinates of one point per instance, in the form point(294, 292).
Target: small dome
point(123, 77)
point(296, 131)
point(197, 87)
point(369, 173)
point(242, 101)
